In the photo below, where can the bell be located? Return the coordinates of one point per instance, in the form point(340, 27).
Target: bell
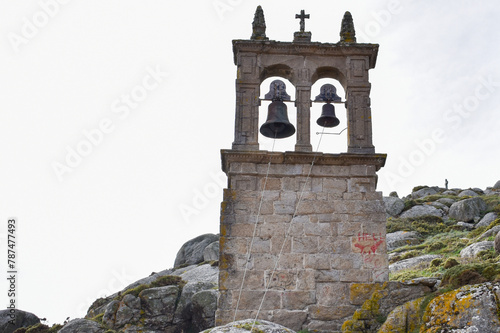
point(277, 124)
point(328, 118)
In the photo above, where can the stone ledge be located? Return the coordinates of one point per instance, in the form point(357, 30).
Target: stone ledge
point(264, 156)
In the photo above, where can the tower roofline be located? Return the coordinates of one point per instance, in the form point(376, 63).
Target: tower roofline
point(309, 48)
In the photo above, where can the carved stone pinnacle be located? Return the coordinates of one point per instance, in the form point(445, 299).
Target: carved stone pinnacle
point(259, 25)
point(347, 33)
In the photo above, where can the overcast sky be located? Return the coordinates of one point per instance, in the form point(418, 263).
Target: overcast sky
point(113, 114)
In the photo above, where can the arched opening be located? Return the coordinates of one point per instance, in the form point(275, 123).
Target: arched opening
point(329, 73)
point(330, 142)
point(285, 144)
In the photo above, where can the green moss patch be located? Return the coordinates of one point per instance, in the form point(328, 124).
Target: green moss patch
point(39, 328)
point(162, 281)
point(461, 275)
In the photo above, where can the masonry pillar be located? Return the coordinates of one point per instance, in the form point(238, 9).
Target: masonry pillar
point(247, 105)
point(303, 104)
point(359, 117)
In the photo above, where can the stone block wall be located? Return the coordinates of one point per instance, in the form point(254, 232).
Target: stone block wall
point(301, 271)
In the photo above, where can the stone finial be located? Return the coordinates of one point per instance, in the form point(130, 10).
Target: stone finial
point(347, 33)
point(259, 25)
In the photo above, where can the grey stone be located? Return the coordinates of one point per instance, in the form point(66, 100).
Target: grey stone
point(159, 305)
point(191, 253)
point(241, 326)
point(497, 185)
point(477, 190)
point(147, 280)
point(110, 309)
point(446, 201)
point(472, 250)
point(492, 232)
point(424, 192)
point(392, 295)
point(422, 210)
point(129, 311)
point(487, 219)
point(183, 312)
point(465, 225)
point(412, 262)
point(441, 315)
point(403, 318)
point(82, 326)
point(393, 206)
point(204, 306)
point(497, 242)
point(401, 238)
point(22, 319)
point(466, 210)
point(468, 193)
point(490, 191)
point(450, 192)
point(432, 283)
point(441, 206)
point(211, 252)
point(204, 273)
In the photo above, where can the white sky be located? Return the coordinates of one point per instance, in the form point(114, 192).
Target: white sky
point(116, 217)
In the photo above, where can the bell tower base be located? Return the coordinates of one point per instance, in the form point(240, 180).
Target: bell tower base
point(316, 233)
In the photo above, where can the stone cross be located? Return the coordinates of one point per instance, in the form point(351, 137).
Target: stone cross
point(302, 16)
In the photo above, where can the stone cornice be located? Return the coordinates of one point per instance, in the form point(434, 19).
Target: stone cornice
point(264, 156)
point(311, 48)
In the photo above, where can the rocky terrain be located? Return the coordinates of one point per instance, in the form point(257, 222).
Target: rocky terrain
point(442, 240)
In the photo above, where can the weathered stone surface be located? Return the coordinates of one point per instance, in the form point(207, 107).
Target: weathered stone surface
point(405, 318)
point(245, 326)
point(394, 194)
point(472, 250)
point(204, 304)
point(110, 309)
point(441, 206)
point(466, 210)
point(22, 319)
point(401, 238)
point(468, 193)
point(393, 205)
point(446, 201)
point(497, 242)
point(492, 232)
point(184, 312)
point(450, 192)
point(204, 273)
point(422, 210)
point(487, 219)
point(478, 190)
point(424, 192)
point(465, 225)
point(385, 298)
point(191, 253)
point(497, 185)
point(467, 309)
point(412, 262)
point(162, 308)
point(159, 305)
point(82, 326)
point(432, 283)
point(128, 312)
point(211, 252)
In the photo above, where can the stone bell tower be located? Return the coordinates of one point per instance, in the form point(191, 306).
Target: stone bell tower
point(299, 229)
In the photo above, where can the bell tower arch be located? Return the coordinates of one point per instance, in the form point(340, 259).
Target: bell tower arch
point(299, 228)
